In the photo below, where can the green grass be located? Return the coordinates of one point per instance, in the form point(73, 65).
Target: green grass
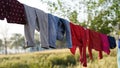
point(61, 58)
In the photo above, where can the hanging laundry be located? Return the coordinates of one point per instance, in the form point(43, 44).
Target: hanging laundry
point(112, 42)
point(60, 30)
point(79, 40)
point(95, 42)
point(105, 43)
point(2, 10)
point(37, 19)
point(53, 26)
point(14, 11)
point(58, 27)
point(64, 29)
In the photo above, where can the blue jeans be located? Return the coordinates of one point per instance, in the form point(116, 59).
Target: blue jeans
point(64, 28)
point(52, 28)
point(58, 27)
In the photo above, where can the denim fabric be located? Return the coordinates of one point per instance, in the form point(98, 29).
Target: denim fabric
point(66, 26)
point(60, 30)
point(52, 28)
point(57, 29)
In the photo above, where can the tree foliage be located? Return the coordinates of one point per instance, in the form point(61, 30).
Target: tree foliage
point(101, 15)
point(17, 40)
point(1, 44)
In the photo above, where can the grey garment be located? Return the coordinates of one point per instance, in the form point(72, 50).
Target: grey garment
point(29, 28)
point(38, 20)
point(42, 24)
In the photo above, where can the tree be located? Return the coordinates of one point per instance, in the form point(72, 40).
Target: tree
point(101, 15)
point(37, 41)
point(37, 46)
point(1, 44)
point(106, 19)
point(4, 33)
point(17, 41)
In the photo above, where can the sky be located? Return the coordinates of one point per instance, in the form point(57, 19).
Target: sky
point(17, 28)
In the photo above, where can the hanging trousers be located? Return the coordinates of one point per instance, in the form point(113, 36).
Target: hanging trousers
point(36, 19)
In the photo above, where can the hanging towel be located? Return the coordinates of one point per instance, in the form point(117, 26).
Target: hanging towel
point(112, 42)
point(37, 19)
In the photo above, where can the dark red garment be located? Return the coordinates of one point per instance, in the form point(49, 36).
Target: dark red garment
point(79, 40)
point(2, 10)
point(13, 11)
point(95, 42)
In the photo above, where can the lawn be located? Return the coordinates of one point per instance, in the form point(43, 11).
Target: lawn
point(57, 58)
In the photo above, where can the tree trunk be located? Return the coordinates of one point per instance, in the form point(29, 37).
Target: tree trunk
point(5, 44)
point(6, 50)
